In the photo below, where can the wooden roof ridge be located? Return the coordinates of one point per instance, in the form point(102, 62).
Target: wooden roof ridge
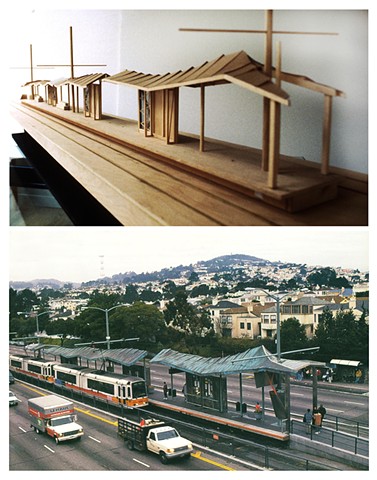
point(168, 76)
point(237, 67)
point(35, 82)
point(87, 79)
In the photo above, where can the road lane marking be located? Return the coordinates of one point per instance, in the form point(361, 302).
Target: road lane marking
point(48, 448)
point(90, 414)
point(298, 394)
point(95, 439)
point(334, 410)
point(141, 463)
point(22, 430)
point(355, 403)
point(198, 455)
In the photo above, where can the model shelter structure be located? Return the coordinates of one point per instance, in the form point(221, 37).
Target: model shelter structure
point(158, 100)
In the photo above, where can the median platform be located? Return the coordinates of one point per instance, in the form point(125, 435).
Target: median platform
point(268, 426)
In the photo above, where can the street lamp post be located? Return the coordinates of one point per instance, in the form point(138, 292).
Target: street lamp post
point(277, 299)
point(106, 311)
point(36, 317)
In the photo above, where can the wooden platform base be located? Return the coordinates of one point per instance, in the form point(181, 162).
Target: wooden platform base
point(144, 181)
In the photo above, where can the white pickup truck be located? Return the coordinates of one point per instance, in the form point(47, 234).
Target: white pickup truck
point(55, 416)
point(155, 436)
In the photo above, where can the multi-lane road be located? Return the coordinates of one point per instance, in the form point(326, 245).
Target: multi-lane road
point(99, 449)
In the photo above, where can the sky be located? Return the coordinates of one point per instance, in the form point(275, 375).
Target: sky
point(81, 254)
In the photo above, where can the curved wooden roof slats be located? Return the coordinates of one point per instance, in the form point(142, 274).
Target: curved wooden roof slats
point(237, 68)
point(181, 77)
point(254, 77)
point(147, 79)
point(154, 79)
point(86, 80)
point(165, 78)
point(35, 83)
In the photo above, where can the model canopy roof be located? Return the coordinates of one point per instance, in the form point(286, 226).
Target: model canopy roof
point(237, 68)
point(86, 80)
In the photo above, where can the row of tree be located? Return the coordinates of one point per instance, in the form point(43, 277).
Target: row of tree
point(185, 328)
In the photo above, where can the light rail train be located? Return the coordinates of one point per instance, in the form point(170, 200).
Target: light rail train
point(130, 391)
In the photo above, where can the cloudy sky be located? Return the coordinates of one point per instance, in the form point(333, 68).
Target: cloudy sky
point(81, 254)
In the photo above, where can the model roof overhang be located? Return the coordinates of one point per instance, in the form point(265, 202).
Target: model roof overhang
point(237, 68)
point(84, 80)
point(35, 83)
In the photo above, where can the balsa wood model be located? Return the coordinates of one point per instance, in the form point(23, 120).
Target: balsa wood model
point(284, 182)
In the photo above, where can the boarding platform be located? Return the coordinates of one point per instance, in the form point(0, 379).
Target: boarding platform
point(268, 427)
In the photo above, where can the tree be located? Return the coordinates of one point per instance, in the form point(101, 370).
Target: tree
point(169, 289)
point(185, 317)
point(139, 320)
point(326, 277)
point(292, 335)
point(342, 336)
point(194, 277)
point(131, 296)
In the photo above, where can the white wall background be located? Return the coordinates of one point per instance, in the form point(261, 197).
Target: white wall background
point(149, 41)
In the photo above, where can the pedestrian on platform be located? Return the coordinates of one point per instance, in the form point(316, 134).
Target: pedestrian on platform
point(322, 411)
point(308, 417)
point(165, 388)
point(317, 420)
point(184, 391)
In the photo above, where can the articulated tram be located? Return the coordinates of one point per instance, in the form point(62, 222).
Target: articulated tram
point(130, 391)
point(32, 367)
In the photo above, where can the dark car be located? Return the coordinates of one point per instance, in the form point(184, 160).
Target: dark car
point(11, 378)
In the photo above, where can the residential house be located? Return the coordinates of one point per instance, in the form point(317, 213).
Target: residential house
point(307, 310)
point(238, 323)
point(214, 311)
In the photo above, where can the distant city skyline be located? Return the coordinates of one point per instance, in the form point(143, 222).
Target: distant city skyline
point(83, 254)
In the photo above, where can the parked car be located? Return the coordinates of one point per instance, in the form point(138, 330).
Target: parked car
point(11, 378)
point(13, 400)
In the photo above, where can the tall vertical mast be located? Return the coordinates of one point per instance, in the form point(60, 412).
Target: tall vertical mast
point(73, 100)
point(31, 63)
point(71, 50)
point(266, 102)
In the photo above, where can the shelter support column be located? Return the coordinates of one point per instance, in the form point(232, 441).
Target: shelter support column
point(326, 135)
point(274, 130)
point(171, 386)
point(73, 98)
point(315, 386)
point(97, 91)
point(241, 397)
point(273, 157)
point(145, 114)
point(266, 102)
point(288, 400)
point(202, 117)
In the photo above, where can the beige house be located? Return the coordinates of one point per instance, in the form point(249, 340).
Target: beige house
point(307, 310)
point(239, 323)
point(304, 309)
